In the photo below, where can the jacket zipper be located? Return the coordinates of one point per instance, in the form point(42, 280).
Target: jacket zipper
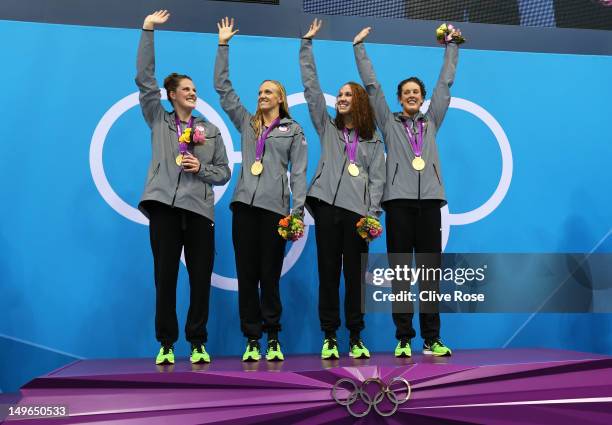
point(155, 172)
point(282, 190)
point(437, 175)
point(255, 191)
point(419, 196)
point(339, 180)
point(177, 187)
point(394, 174)
point(319, 175)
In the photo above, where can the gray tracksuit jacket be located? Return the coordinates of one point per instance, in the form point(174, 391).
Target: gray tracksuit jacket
point(332, 183)
point(285, 144)
point(403, 181)
point(167, 182)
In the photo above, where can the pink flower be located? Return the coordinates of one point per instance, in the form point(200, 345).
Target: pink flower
point(199, 136)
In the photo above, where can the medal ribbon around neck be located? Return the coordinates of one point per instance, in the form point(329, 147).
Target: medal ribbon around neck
point(351, 150)
point(179, 133)
point(416, 144)
point(415, 140)
point(257, 166)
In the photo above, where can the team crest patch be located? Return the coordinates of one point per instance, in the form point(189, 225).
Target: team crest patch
point(283, 128)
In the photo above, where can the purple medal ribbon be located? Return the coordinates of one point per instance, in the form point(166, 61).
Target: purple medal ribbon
point(351, 147)
point(179, 132)
point(262, 139)
point(415, 140)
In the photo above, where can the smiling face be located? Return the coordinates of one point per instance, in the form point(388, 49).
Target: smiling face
point(268, 97)
point(344, 100)
point(411, 97)
point(184, 97)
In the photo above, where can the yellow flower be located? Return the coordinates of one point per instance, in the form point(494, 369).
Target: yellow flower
point(441, 31)
point(186, 135)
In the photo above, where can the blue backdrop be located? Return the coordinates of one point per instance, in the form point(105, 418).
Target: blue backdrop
point(76, 271)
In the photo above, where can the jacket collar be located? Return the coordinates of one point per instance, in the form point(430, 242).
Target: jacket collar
point(171, 120)
point(400, 118)
point(361, 139)
point(283, 121)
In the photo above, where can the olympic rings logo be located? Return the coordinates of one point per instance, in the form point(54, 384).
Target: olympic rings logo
point(235, 157)
point(360, 392)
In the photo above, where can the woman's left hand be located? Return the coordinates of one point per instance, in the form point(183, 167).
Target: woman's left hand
point(191, 163)
point(314, 28)
point(455, 32)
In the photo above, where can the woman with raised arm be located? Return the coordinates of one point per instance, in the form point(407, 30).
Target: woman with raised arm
point(414, 192)
point(347, 187)
point(188, 159)
point(270, 142)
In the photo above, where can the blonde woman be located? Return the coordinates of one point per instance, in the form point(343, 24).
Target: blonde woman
point(271, 144)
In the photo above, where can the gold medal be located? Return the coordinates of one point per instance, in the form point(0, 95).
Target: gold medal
point(353, 169)
point(179, 159)
point(418, 163)
point(256, 168)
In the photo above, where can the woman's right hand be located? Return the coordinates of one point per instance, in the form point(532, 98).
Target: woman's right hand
point(155, 18)
point(226, 30)
point(314, 28)
point(362, 35)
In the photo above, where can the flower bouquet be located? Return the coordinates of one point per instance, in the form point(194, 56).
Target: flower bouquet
point(369, 228)
point(291, 227)
point(446, 33)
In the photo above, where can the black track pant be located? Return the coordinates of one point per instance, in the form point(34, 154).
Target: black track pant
point(170, 230)
point(415, 227)
point(259, 251)
point(339, 247)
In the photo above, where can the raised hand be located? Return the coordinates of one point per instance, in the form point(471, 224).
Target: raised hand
point(314, 28)
point(226, 30)
point(155, 18)
point(362, 35)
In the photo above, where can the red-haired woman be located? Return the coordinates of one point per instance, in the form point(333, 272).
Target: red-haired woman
point(347, 186)
point(270, 141)
point(188, 158)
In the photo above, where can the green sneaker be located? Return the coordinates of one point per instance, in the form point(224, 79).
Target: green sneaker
point(165, 355)
point(436, 348)
point(199, 354)
point(252, 353)
point(358, 351)
point(403, 348)
point(330, 349)
point(274, 353)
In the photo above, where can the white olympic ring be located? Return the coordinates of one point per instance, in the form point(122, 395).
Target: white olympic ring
point(498, 195)
point(126, 210)
point(97, 145)
point(361, 393)
point(228, 283)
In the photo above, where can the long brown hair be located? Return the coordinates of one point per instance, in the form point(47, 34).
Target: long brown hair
point(283, 108)
point(361, 112)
